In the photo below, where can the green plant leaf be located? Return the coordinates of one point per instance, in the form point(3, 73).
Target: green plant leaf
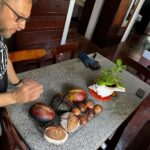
point(120, 85)
point(110, 77)
point(109, 83)
point(124, 66)
point(114, 70)
point(119, 62)
point(110, 80)
point(101, 82)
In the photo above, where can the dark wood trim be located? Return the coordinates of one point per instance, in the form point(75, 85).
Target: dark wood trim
point(86, 14)
point(142, 140)
point(104, 23)
point(145, 12)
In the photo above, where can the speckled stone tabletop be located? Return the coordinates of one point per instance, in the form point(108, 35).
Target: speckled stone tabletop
point(60, 78)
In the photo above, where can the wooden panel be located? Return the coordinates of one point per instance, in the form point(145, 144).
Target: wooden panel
point(27, 54)
point(119, 19)
point(107, 31)
point(105, 21)
point(46, 45)
point(39, 37)
point(58, 6)
point(87, 10)
point(64, 52)
point(138, 121)
point(142, 140)
point(39, 7)
point(46, 22)
point(45, 27)
point(50, 7)
point(121, 12)
point(145, 12)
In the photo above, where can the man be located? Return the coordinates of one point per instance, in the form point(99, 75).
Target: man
point(13, 17)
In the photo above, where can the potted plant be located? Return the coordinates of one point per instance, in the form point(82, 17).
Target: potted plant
point(108, 82)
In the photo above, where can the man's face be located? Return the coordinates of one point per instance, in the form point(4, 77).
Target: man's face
point(13, 16)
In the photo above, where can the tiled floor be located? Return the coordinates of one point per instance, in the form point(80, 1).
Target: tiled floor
point(134, 48)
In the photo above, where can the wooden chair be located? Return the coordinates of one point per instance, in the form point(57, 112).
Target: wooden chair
point(141, 71)
point(10, 139)
point(134, 132)
point(27, 55)
point(136, 135)
point(24, 55)
point(64, 52)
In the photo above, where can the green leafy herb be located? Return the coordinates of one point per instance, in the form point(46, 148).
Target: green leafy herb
point(110, 77)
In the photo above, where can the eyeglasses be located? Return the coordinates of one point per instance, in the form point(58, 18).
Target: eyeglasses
point(19, 18)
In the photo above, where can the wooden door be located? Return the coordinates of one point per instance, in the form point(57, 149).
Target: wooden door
point(109, 29)
point(85, 17)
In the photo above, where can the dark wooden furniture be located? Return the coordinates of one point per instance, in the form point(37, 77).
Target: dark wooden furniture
point(45, 28)
point(137, 133)
point(145, 11)
point(24, 60)
point(85, 17)
point(27, 55)
point(109, 29)
point(64, 52)
point(10, 138)
point(127, 135)
point(141, 71)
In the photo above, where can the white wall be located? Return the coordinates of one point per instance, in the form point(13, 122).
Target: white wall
point(67, 23)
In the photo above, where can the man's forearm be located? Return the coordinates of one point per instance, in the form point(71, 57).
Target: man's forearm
point(12, 76)
point(7, 99)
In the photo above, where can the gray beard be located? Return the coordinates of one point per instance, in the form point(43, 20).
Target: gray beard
point(2, 34)
point(2, 31)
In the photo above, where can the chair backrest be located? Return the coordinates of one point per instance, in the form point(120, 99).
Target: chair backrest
point(23, 55)
point(140, 69)
point(136, 135)
point(25, 60)
point(64, 52)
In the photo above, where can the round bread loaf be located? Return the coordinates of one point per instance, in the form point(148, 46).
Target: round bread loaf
point(55, 135)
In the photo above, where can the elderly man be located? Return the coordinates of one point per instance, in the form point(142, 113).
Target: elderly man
point(13, 17)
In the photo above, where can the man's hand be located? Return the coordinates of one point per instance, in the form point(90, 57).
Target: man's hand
point(30, 90)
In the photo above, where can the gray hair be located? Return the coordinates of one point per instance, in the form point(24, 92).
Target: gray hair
point(33, 1)
point(2, 2)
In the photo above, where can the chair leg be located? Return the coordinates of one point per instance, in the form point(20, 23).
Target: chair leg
point(145, 80)
point(38, 63)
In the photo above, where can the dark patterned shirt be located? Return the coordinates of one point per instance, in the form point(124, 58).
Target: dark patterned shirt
point(3, 65)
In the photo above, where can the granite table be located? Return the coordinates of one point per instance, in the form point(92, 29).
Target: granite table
point(60, 78)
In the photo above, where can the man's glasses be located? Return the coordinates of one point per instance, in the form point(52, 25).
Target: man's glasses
point(19, 18)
